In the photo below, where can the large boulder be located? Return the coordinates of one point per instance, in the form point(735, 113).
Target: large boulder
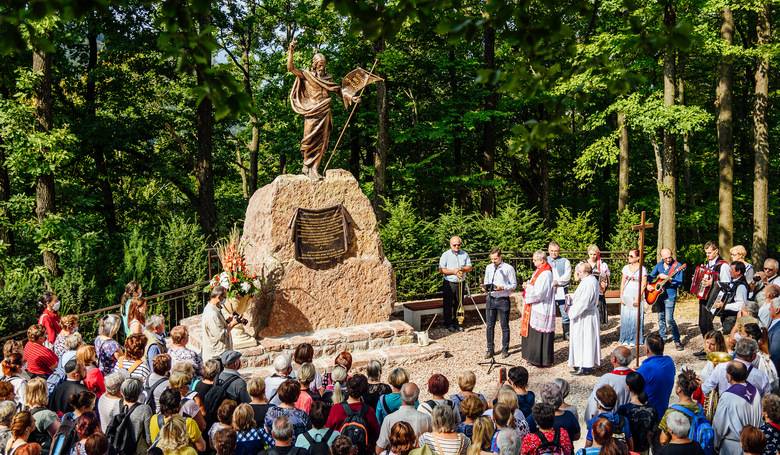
point(358, 288)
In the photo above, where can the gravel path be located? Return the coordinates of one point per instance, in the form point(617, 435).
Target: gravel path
point(468, 348)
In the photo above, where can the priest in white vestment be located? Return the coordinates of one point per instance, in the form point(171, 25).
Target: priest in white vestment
point(538, 322)
point(738, 406)
point(584, 340)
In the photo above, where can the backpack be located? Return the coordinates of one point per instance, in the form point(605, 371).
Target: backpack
point(701, 429)
point(551, 447)
point(293, 451)
point(589, 451)
point(355, 427)
point(432, 404)
point(121, 437)
point(149, 393)
point(319, 448)
point(215, 396)
point(40, 437)
point(619, 430)
point(56, 378)
point(65, 438)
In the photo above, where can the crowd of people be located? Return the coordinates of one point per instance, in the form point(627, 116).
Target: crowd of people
point(132, 390)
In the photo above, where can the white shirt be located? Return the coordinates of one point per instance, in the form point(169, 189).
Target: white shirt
point(561, 268)
point(740, 297)
point(503, 276)
point(718, 379)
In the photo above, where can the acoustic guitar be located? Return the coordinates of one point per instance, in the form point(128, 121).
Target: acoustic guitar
point(658, 286)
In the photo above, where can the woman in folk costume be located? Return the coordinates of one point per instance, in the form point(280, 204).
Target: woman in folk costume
point(538, 322)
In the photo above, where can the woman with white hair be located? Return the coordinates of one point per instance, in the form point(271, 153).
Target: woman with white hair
point(108, 349)
point(538, 323)
point(443, 440)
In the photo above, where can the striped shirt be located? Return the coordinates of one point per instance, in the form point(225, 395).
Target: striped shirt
point(455, 446)
point(40, 359)
point(140, 372)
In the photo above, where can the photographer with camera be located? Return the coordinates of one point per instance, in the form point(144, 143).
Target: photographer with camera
point(500, 280)
point(216, 329)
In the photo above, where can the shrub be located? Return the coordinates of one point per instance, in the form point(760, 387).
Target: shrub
point(574, 233)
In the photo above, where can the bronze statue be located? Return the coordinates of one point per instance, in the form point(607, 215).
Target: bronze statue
point(310, 97)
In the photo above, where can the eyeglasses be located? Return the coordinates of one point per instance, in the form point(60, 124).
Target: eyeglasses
point(767, 269)
point(455, 244)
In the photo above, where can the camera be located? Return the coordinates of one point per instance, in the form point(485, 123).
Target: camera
point(238, 318)
point(490, 287)
point(757, 278)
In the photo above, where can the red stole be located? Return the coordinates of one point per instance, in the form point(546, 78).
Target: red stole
point(525, 322)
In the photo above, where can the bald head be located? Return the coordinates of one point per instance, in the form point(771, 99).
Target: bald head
point(621, 356)
point(409, 393)
point(455, 242)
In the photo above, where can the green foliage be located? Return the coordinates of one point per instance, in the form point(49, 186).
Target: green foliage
point(20, 290)
point(574, 232)
point(404, 235)
point(514, 228)
point(135, 263)
point(178, 255)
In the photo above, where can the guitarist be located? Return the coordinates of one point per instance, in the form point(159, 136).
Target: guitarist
point(671, 270)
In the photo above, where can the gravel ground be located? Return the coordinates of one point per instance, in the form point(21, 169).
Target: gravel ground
point(468, 348)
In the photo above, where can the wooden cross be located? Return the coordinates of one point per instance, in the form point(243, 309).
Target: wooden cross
point(641, 227)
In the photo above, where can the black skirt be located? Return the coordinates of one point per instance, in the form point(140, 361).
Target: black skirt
point(537, 348)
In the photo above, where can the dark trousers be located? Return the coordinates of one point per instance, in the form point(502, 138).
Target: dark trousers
point(497, 307)
point(728, 320)
point(450, 301)
point(603, 318)
point(705, 318)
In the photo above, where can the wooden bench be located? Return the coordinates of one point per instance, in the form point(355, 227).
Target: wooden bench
point(416, 309)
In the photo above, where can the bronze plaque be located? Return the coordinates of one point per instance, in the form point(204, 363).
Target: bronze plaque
point(321, 236)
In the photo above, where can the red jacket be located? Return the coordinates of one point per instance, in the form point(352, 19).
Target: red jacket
point(51, 321)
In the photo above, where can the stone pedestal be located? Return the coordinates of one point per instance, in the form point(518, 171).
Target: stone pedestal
point(357, 289)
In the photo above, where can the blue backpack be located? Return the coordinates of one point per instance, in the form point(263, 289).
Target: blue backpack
point(701, 429)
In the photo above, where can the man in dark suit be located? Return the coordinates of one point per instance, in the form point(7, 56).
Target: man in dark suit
point(774, 331)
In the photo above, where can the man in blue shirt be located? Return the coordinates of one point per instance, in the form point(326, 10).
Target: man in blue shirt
point(500, 280)
point(658, 371)
point(668, 269)
point(454, 264)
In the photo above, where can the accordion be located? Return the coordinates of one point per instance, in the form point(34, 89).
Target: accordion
point(698, 289)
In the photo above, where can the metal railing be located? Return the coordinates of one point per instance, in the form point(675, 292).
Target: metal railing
point(420, 278)
point(415, 279)
point(174, 305)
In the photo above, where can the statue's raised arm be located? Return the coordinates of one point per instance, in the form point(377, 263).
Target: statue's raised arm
point(290, 63)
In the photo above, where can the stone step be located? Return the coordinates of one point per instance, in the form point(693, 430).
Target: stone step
point(326, 342)
point(389, 357)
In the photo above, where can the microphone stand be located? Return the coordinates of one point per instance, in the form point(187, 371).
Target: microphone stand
point(492, 362)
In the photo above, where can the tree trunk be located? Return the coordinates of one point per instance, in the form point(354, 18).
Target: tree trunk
point(761, 141)
point(488, 145)
point(355, 158)
point(623, 163)
point(723, 101)
point(44, 187)
point(98, 153)
point(457, 140)
point(204, 174)
point(382, 143)
point(666, 179)
point(686, 148)
point(254, 144)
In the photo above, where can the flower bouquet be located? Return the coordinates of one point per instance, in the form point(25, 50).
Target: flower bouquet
point(234, 277)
